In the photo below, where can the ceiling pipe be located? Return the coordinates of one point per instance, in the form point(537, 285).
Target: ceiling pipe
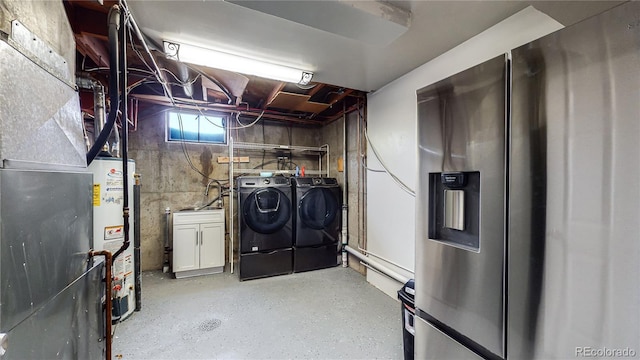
point(183, 74)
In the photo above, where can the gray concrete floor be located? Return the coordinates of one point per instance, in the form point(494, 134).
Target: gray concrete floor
point(324, 314)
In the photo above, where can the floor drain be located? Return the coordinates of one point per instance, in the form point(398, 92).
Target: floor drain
point(209, 325)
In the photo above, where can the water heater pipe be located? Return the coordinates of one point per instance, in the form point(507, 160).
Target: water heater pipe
point(167, 219)
point(99, 108)
point(345, 192)
point(376, 265)
point(137, 273)
point(231, 199)
point(108, 305)
point(115, 147)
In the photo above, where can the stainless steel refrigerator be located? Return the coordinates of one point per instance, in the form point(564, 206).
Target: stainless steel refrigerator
point(528, 235)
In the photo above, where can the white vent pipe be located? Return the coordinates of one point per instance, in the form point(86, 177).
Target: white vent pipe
point(345, 192)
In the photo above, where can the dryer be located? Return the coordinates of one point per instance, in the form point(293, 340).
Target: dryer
point(265, 226)
point(318, 207)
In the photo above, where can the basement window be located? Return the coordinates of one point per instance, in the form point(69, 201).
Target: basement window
point(196, 127)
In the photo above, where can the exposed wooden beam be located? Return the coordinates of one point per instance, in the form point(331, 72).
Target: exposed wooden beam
point(272, 95)
point(344, 94)
point(337, 116)
point(199, 105)
point(88, 21)
point(93, 4)
point(315, 89)
point(92, 48)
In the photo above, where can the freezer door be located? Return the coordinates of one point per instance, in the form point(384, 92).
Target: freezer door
point(460, 240)
point(575, 192)
point(431, 343)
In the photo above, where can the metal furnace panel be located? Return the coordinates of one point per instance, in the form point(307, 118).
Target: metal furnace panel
point(46, 228)
point(69, 326)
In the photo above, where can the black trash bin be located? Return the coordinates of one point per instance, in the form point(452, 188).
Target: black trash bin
point(406, 296)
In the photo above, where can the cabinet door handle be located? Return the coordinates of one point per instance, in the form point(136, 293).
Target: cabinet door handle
point(197, 235)
point(201, 238)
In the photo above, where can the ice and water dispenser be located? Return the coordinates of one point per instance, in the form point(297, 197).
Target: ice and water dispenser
point(454, 208)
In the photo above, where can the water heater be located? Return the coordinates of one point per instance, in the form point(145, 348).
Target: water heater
point(108, 227)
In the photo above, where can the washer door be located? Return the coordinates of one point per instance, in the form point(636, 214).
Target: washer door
point(318, 208)
point(266, 210)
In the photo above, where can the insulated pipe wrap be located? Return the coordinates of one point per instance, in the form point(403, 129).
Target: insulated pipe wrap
point(114, 27)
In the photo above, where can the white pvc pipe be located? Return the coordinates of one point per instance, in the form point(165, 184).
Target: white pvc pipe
point(344, 236)
point(231, 196)
point(345, 191)
point(367, 252)
point(378, 266)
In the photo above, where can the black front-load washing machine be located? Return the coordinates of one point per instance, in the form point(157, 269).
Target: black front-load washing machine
point(318, 206)
point(265, 226)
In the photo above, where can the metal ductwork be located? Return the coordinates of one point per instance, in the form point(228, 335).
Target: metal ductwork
point(40, 112)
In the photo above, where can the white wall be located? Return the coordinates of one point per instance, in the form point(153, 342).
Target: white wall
point(392, 123)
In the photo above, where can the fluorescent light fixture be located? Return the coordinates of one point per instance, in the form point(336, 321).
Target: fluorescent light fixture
point(220, 60)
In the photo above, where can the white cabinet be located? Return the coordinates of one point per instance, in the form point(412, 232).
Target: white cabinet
point(198, 242)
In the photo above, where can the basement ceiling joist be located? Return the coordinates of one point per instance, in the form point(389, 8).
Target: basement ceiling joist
point(208, 88)
point(339, 58)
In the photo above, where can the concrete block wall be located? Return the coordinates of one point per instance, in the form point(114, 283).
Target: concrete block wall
point(169, 181)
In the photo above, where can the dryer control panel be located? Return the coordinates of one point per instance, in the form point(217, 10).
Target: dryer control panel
point(259, 181)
